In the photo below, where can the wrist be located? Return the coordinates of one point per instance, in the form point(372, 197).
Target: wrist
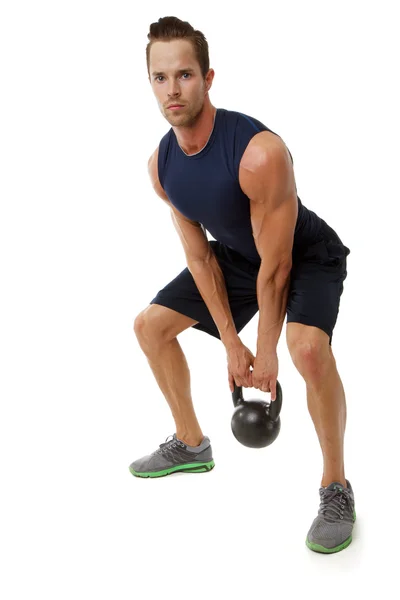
point(266, 349)
point(266, 354)
point(231, 341)
point(268, 342)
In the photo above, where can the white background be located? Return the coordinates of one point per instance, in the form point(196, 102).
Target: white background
point(86, 244)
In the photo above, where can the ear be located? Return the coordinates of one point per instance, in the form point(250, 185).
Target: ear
point(209, 79)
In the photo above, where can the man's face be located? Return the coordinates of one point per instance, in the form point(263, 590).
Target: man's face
point(176, 78)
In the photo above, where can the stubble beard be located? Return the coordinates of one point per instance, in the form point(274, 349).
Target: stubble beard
point(187, 118)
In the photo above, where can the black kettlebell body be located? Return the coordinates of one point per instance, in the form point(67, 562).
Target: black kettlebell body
point(255, 423)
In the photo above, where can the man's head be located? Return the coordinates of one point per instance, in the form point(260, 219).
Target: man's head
point(178, 68)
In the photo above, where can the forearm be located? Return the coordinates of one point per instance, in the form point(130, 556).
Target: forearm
point(210, 282)
point(272, 294)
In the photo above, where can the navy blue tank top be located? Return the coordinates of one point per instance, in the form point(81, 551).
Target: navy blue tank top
point(205, 186)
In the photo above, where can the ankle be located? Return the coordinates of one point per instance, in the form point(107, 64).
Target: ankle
point(328, 480)
point(189, 438)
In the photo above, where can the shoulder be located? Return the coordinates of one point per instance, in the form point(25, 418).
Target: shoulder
point(264, 147)
point(248, 137)
point(266, 168)
point(247, 123)
point(152, 167)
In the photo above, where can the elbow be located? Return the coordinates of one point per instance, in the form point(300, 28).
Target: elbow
point(198, 263)
point(279, 276)
point(285, 269)
point(282, 278)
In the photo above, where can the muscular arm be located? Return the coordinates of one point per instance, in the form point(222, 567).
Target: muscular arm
point(202, 263)
point(266, 177)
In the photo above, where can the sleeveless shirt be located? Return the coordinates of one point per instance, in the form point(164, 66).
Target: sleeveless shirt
point(205, 187)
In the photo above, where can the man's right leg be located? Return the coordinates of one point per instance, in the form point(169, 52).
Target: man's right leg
point(156, 329)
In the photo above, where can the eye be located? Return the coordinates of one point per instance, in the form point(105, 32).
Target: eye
point(159, 77)
point(188, 75)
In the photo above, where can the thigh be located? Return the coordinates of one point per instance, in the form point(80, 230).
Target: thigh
point(182, 295)
point(316, 285)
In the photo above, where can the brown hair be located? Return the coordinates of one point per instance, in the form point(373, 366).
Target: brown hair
point(172, 28)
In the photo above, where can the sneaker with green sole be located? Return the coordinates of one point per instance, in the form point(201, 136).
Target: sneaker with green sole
point(175, 455)
point(331, 530)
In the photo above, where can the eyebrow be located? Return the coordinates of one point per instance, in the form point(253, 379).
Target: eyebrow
point(157, 73)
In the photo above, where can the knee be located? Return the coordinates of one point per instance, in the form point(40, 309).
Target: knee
point(148, 328)
point(311, 356)
point(140, 324)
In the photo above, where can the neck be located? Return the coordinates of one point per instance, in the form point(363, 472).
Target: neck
point(194, 137)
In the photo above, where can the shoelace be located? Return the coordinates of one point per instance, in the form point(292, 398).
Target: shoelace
point(168, 444)
point(333, 502)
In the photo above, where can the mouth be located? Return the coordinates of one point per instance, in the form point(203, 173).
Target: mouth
point(175, 106)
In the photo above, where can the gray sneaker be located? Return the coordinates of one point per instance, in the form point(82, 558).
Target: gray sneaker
point(331, 530)
point(174, 455)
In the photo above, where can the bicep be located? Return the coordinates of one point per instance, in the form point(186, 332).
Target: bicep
point(267, 179)
point(273, 230)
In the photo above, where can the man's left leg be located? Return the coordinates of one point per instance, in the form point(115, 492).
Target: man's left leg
point(312, 355)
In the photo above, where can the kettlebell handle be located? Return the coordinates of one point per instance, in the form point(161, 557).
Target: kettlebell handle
point(274, 407)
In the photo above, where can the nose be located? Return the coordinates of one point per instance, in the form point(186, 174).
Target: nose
point(173, 88)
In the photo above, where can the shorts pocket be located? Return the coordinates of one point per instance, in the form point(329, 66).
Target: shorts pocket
point(330, 253)
point(337, 252)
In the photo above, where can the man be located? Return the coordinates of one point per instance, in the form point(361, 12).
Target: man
point(225, 172)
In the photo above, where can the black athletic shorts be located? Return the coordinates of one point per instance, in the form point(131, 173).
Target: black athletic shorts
point(316, 285)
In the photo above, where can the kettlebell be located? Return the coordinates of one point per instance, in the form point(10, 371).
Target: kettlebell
point(255, 423)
